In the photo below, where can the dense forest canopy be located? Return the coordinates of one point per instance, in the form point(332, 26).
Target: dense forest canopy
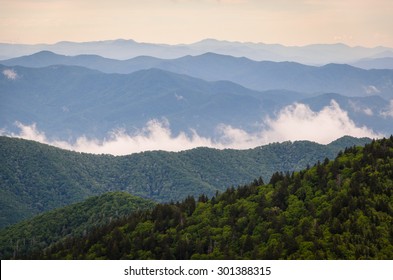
point(35, 178)
point(72, 220)
point(336, 209)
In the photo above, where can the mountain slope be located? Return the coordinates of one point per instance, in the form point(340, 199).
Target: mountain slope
point(375, 63)
point(339, 209)
point(73, 220)
point(36, 178)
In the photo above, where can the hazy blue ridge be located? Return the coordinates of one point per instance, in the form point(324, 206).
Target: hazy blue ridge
point(66, 102)
point(257, 75)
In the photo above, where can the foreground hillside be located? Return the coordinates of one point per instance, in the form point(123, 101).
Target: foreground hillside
point(36, 178)
point(339, 209)
point(73, 220)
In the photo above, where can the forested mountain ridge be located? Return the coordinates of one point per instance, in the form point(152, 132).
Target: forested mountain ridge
point(35, 178)
point(338, 209)
point(72, 220)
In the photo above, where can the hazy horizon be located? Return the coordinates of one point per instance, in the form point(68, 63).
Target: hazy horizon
point(291, 23)
point(190, 43)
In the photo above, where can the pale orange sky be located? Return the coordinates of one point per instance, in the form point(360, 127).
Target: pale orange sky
point(288, 22)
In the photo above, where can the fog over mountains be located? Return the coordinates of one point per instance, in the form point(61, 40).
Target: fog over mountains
point(86, 102)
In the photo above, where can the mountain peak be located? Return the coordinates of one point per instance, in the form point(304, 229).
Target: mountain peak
point(42, 54)
point(45, 52)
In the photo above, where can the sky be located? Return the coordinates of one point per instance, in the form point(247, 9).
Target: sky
point(289, 22)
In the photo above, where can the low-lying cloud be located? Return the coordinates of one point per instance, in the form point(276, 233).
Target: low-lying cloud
point(371, 89)
point(294, 122)
point(361, 109)
point(388, 113)
point(10, 74)
point(299, 122)
point(156, 135)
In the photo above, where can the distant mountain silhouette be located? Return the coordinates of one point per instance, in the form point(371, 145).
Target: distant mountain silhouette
point(257, 75)
point(316, 54)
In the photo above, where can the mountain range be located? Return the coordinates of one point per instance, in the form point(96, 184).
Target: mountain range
point(36, 178)
point(317, 54)
point(67, 102)
point(257, 75)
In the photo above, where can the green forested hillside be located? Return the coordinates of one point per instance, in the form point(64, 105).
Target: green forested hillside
point(339, 209)
point(74, 220)
point(35, 178)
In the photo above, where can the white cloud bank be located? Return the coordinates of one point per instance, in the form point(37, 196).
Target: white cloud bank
point(156, 135)
point(299, 122)
point(294, 122)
